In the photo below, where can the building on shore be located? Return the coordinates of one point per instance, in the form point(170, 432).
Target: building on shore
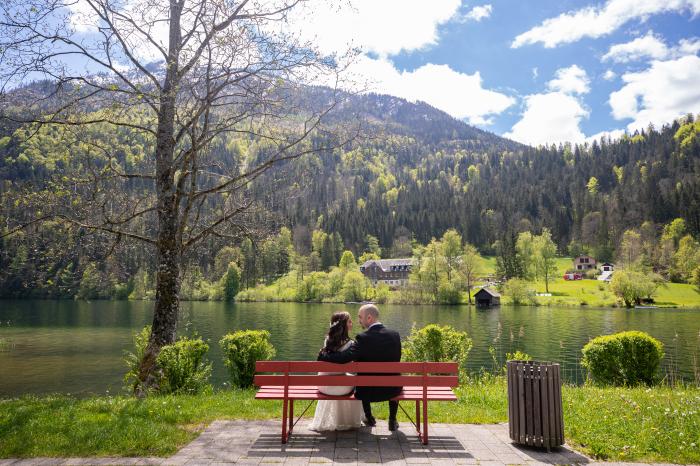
point(486, 297)
point(584, 263)
point(392, 272)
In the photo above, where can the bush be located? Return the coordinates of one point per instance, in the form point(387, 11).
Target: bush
point(632, 286)
point(382, 293)
point(626, 358)
point(448, 293)
point(518, 292)
point(438, 343)
point(241, 350)
point(133, 360)
point(354, 286)
point(231, 282)
point(184, 365)
point(518, 356)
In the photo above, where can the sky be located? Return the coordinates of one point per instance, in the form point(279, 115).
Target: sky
point(536, 71)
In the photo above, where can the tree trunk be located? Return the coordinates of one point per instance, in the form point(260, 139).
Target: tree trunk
point(469, 291)
point(167, 304)
point(169, 243)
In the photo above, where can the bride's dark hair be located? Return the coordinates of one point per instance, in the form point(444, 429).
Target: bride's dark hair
point(338, 332)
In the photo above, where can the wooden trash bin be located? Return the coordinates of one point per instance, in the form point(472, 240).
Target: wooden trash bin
point(535, 415)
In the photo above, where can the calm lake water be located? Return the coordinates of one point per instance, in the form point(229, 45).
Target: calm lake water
point(77, 347)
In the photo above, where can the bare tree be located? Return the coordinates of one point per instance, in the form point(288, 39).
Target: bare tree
point(470, 267)
point(184, 76)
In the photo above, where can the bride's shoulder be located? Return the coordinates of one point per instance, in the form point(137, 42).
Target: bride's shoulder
point(347, 344)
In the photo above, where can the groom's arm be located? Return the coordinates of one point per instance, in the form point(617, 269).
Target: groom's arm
point(341, 357)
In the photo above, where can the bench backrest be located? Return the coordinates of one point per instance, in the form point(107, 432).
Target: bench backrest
point(374, 374)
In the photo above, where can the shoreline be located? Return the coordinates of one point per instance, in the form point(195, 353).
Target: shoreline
point(660, 306)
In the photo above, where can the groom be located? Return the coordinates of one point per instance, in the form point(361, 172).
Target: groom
point(376, 344)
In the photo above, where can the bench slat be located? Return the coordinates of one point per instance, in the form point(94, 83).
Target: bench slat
point(366, 367)
point(357, 380)
point(305, 395)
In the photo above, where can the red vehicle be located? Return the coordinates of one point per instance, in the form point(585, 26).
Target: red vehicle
point(573, 276)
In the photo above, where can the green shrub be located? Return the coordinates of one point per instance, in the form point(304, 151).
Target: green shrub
point(354, 286)
point(184, 366)
point(382, 293)
point(438, 343)
point(518, 356)
point(518, 292)
point(133, 360)
point(626, 358)
point(448, 293)
point(231, 282)
point(241, 349)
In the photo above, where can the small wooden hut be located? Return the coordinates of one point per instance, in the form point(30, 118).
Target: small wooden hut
point(486, 297)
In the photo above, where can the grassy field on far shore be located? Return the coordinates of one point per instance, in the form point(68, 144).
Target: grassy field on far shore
point(596, 293)
point(658, 424)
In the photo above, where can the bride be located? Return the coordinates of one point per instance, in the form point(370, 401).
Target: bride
point(337, 414)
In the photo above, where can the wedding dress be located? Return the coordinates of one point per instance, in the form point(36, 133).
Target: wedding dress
point(340, 414)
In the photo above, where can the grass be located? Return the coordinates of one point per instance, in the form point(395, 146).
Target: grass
point(598, 294)
point(621, 424)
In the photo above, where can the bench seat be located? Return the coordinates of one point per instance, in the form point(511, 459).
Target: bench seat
point(276, 392)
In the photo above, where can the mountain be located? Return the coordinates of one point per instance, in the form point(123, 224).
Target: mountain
point(413, 173)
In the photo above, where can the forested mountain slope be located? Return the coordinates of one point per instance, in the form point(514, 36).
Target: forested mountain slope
point(412, 173)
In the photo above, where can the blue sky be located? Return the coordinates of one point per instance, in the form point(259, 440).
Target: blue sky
point(537, 71)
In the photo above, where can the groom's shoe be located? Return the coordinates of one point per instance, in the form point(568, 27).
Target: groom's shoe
point(393, 425)
point(369, 421)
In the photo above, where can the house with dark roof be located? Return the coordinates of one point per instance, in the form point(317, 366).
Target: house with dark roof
point(392, 272)
point(487, 297)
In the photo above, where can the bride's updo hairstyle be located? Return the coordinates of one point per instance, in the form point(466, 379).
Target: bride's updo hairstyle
point(338, 332)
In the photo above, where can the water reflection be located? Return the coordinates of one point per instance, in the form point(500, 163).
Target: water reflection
point(78, 347)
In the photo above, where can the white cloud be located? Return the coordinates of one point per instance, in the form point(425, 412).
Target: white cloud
point(612, 134)
point(478, 13)
point(459, 94)
point(535, 73)
point(651, 46)
point(570, 80)
point(688, 46)
point(384, 27)
point(609, 75)
point(82, 16)
point(550, 118)
point(664, 91)
point(648, 46)
point(555, 116)
point(598, 21)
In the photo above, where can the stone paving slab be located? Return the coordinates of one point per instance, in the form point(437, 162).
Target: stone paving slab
point(258, 443)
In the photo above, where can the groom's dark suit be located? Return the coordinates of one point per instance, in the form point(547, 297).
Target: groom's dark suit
point(376, 344)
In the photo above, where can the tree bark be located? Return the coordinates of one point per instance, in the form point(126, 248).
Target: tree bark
point(167, 303)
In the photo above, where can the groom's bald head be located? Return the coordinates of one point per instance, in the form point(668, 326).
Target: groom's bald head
point(367, 315)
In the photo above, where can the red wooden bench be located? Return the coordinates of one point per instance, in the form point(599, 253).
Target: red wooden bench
point(298, 380)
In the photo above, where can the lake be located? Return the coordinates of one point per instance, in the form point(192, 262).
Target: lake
point(77, 347)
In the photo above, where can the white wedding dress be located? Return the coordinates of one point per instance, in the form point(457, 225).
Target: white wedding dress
point(337, 415)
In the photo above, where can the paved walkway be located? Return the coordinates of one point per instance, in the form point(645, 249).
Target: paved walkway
point(258, 443)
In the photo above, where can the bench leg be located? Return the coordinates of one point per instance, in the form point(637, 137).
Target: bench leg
point(284, 420)
point(425, 422)
point(418, 418)
point(291, 417)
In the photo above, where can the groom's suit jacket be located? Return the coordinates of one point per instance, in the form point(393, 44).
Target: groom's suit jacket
point(376, 344)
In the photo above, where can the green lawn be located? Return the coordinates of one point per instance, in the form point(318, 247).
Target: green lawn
point(639, 424)
point(596, 293)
